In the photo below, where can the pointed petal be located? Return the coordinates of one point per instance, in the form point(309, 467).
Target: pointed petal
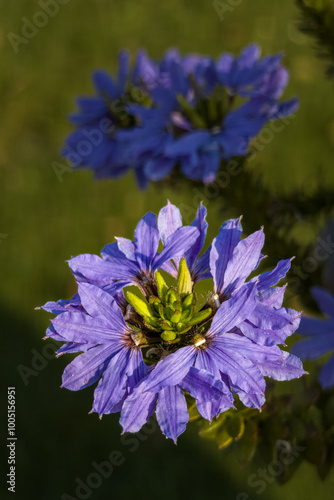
point(200, 223)
point(86, 368)
point(127, 247)
point(112, 385)
point(271, 278)
point(222, 250)
point(212, 409)
point(62, 305)
point(245, 259)
point(74, 347)
point(172, 413)
point(284, 367)
point(169, 220)
point(79, 327)
point(93, 269)
point(137, 409)
point(105, 85)
point(269, 337)
point(147, 241)
point(99, 303)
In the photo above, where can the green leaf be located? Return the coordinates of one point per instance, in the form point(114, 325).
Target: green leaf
point(168, 336)
point(162, 287)
point(184, 283)
point(172, 296)
point(176, 317)
point(141, 306)
point(200, 316)
point(189, 301)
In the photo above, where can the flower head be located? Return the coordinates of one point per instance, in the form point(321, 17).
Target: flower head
point(319, 336)
point(181, 110)
point(152, 344)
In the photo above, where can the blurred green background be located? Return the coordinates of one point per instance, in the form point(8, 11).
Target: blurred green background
point(46, 219)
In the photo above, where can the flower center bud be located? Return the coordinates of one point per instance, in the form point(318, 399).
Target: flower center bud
point(172, 311)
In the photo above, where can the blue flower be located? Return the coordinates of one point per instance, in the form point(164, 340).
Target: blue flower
point(179, 111)
point(320, 336)
point(147, 349)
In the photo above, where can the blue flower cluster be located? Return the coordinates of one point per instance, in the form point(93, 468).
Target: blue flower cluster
point(187, 111)
point(151, 350)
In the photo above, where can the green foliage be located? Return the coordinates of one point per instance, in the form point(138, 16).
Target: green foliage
point(318, 21)
point(291, 428)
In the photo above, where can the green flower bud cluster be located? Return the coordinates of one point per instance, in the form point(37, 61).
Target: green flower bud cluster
point(172, 312)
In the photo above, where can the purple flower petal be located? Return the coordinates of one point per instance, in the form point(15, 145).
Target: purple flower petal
point(172, 413)
point(284, 367)
point(271, 278)
point(234, 310)
point(86, 368)
point(127, 247)
point(176, 246)
point(245, 259)
point(222, 250)
point(101, 304)
point(273, 297)
point(245, 378)
point(136, 369)
point(202, 385)
point(112, 385)
point(200, 223)
point(267, 318)
point(169, 220)
point(79, 327)
point(137, 409)
point(171, 370)
point(93, 269)
point(147, 241)
point(231, 342)
point(202, 267)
